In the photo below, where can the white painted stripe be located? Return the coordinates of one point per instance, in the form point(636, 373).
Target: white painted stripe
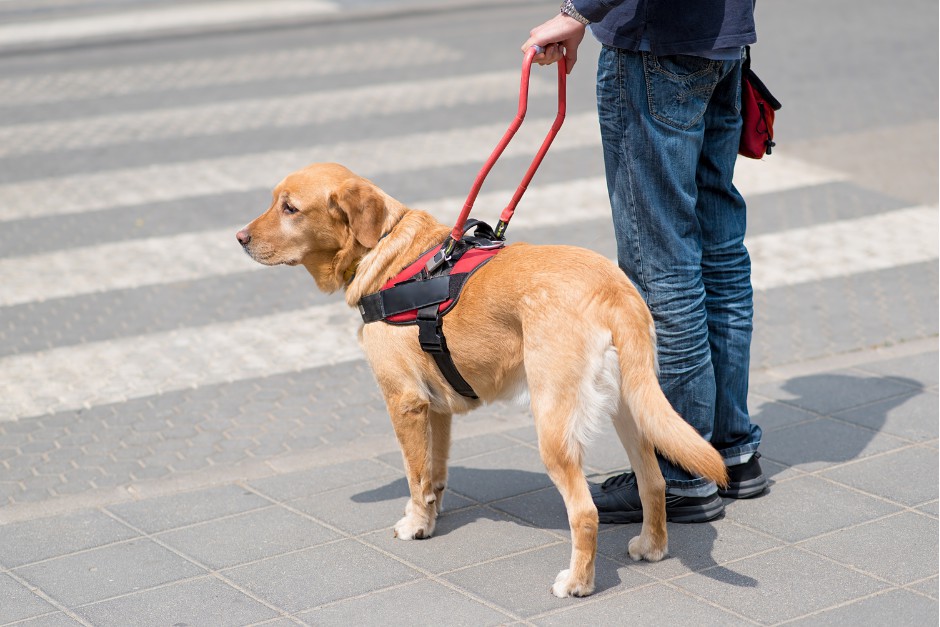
point(244, 115)
point(369, 157)
point(133, 22)
point(586, 199)
point(116, 370)
point(842, 248)
point(229, 70)
point(192, 256)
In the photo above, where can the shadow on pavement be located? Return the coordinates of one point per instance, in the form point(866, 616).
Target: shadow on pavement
point(814, 440)
point(530, 497)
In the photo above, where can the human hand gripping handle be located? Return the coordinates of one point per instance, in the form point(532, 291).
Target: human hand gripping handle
point(560, 37)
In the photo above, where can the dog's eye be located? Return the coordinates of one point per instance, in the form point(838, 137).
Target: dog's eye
point(290, 210)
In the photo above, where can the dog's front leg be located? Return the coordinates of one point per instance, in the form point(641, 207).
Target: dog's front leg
point(440, 451)
point(412, 421)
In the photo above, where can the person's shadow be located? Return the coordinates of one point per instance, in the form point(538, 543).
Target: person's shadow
point(808, 399)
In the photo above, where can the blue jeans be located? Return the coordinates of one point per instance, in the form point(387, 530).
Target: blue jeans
point(670, 127)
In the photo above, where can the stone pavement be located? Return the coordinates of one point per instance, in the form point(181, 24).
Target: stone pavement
point(189, 438)
point(843, 536)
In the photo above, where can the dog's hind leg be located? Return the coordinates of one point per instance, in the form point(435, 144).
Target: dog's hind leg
point(411, 418)
point(563, 419)
point(440, 451)
point(652, 543)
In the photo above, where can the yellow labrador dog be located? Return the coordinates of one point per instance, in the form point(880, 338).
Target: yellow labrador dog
point(561, 325)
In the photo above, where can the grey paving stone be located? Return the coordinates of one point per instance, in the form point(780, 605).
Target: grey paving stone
point(421, 603)
point(185, 508)
point(653, 605)
point(771, 415)
point(927, 587)
point(923, 368)
point(692, 548)
point(913, 418)
point(544, 508)
point(836, 391)
point(521, 584)
point(526, 434)
point(247, 537)
point(813, 507)
point(464, 448)
point(461, 448)
point(894, 607)
point(205, 601)
point(462, 538)
point(604, 452)
point(279, 622)
point(501, 474)
point(901, 549)
point(294, 485)
point(780, 585)
point(931, 508)
point(778, 472)
point(107, 572)
point(907, 476)
point(57, 619)
point(368, 506)
point(828, 327)
point(811, 446)
point(306, 579)
point(42, 538)
point(18, 602)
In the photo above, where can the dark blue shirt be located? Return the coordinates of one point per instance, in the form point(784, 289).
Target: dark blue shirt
point(671, 26)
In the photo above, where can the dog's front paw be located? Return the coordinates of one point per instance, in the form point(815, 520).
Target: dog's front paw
point(641, 548)
point(413, 528)
point(566, 585)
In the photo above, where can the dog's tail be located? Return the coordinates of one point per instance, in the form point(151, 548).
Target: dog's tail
point(655, 418)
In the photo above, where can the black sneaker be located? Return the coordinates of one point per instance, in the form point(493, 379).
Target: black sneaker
point(745, 480)
point(618, 501)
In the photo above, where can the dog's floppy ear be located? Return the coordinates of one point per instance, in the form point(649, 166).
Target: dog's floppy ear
point(364, 209)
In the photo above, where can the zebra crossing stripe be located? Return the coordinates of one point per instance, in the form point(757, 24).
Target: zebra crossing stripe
point(191, 256)
point(136, 21)
point(846, 247)
point(201, 73)
point(370, 157)
point(116, 370)
point(262, 113)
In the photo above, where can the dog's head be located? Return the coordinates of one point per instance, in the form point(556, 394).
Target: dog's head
point(323, 217)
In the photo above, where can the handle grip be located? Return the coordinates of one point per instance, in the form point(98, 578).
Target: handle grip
point(457, 231)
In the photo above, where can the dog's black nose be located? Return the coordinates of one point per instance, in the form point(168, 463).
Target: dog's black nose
point(243, 237)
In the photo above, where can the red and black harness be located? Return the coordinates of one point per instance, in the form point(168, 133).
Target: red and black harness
point(423, 297)
point(429, 287)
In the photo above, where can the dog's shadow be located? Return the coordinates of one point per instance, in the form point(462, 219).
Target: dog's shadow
point(536, 503)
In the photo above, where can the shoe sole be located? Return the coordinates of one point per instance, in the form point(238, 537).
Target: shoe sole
point(694, 514)
point(745, 489)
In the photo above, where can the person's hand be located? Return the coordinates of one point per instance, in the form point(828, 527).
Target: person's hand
point(560, 36)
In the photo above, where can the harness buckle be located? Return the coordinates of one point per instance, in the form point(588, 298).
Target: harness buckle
point(442, 256)
point(429, 331)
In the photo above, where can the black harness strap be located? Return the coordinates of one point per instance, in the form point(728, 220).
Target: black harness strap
point(410, 296)
point(431, 338)
point(424, 293)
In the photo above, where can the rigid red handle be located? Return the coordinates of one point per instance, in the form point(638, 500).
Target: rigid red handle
point(506, 215)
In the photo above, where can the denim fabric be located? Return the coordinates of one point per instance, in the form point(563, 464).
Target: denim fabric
point(670, 127)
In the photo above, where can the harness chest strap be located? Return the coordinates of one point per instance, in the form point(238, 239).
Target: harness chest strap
point(417, 297)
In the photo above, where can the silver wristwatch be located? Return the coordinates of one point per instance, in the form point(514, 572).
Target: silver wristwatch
point(567, 8)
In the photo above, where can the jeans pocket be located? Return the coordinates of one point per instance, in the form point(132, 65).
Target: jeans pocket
point(679, 87)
